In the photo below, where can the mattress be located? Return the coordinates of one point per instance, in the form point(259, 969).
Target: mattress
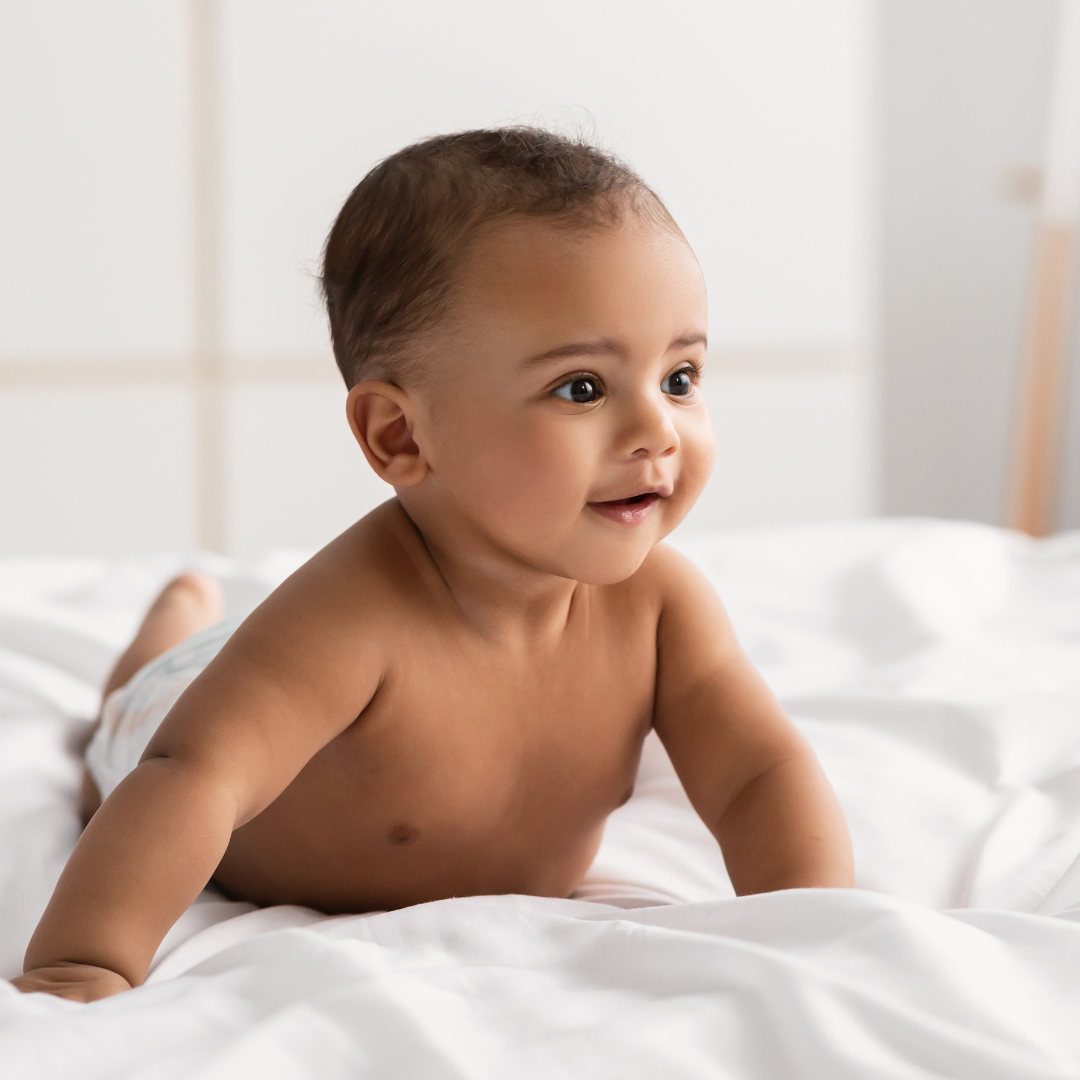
point(935, 667)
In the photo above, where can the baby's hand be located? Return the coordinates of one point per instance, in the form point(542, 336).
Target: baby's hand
point(76, 982)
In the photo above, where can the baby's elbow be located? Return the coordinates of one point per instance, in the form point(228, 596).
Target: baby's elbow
point(198, 778)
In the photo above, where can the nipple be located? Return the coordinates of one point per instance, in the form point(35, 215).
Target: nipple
point(400, 835)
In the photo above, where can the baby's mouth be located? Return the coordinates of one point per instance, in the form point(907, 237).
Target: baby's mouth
point(631, 511)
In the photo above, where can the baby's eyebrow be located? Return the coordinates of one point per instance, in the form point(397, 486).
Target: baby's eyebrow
point(603, 347)
point(687, 340)
point(606, 347)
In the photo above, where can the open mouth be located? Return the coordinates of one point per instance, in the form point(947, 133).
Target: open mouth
point(630, 511)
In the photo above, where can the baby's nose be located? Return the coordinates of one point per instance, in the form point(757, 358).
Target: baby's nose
point(651, 432)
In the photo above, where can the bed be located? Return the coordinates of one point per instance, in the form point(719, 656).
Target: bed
point(934, 666)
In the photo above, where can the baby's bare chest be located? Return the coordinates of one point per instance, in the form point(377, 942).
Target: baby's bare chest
point(468, 772)
point(471, 770)
point(463, 724)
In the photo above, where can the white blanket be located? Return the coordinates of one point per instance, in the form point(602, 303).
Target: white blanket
point(936, 669)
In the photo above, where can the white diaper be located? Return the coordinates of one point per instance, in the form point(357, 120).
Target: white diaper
point(131, 715)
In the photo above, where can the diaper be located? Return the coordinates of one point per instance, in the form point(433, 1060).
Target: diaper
point(131, 715)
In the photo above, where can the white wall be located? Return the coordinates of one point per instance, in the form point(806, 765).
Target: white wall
point(964, 92)
point(748, 116)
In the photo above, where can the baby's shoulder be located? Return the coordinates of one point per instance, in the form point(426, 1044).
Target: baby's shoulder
point(663, 580)
point(361, 581)
point(666, 573)
point(383, 551)
point(328, 633)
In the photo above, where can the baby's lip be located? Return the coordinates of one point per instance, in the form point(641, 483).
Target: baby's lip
point(661, 490)
point(632, 509)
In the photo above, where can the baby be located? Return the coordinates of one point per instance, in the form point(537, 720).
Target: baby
point(451, 697)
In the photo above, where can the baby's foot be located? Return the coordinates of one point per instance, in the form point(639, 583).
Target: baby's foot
point(191, 602)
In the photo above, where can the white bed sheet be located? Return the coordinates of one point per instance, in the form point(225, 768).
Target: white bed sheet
point(936, 669)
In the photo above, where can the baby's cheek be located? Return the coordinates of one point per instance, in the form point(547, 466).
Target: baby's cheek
point(697, 457)
point(698, 451)
point(545, 479)
point(703, 467)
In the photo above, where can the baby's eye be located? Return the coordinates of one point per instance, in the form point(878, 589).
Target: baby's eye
point(679, 384)
point(581, 390)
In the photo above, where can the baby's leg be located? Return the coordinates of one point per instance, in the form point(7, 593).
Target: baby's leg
point(188, 604)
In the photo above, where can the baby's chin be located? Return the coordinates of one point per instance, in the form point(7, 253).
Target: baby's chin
point(607, 562)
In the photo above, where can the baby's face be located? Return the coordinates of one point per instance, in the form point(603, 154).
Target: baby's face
point(564, 422)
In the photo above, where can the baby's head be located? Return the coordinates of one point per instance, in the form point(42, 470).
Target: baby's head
point(522, 328)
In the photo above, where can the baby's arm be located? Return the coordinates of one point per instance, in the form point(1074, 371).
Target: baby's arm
point(747, 770)
point(275, 695)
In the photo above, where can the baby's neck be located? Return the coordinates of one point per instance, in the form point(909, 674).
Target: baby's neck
point(499, 595)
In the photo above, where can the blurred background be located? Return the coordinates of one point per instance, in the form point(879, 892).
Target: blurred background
point(859, 178)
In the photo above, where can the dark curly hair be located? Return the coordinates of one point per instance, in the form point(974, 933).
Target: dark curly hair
point(389, 260)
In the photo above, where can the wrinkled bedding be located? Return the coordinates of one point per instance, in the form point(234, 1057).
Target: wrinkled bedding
point(934, 666)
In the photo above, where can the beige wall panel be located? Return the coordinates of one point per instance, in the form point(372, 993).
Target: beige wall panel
point(94, 209)
point(95, 472)
point(296, 476)
point(748, 117)
point(790, 448)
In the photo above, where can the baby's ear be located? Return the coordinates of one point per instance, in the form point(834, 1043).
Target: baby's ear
point(381, 418)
